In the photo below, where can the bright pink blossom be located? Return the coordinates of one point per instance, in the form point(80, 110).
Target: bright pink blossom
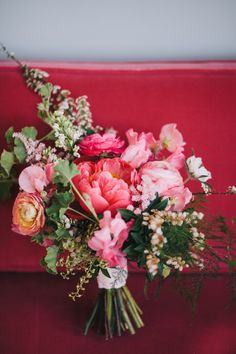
point(108, 241)
point(106, 189)
point(140, 148)
point(33, 179)
point(96, 144)
point(176, 159)
point(49, 170)
point(171, 138)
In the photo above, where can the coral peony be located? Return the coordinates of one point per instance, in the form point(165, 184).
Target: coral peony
point(96, 144)
point(104, 185)
point(28, 214)
point(108, 241)
point(171, 138)
point(33, 179)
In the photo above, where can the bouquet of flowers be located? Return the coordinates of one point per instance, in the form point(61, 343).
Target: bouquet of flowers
point(95, 201)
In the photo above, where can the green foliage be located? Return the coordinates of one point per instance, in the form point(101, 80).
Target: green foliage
point(7, 161)
point(20, 150)
point(178, 238)
point(126, 214)
point(30, 132)
point(45, 90)
point(5, 189)
point(9, 135)
point(59, 204)
point(158, 204)
point(50, 259)
point(65, 171)
point(105, 272)
point(37, 239)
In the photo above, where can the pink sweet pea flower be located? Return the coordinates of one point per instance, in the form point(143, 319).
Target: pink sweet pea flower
point(178, 197)
point(96, 144)
point(33, 179)
point(176, 159)
point(140, 148)
point(171, 138)
point(108, 241)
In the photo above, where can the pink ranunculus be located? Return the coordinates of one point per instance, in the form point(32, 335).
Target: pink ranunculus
point(162, 174)
point(176, 159)
point(178, 197)
point(28, 214)
point(171, 138)
point(108, 241)
point(105, 190)
point(96, 144)
point(140, 148)
point(33, 179)
point(47, 242)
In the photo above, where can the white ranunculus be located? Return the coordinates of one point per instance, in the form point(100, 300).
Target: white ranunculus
point(197, 170)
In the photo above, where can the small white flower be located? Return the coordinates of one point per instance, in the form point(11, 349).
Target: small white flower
point(196, 169)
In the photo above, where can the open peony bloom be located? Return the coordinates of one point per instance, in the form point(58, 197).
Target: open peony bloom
point(96, 144)
point(108, 241)
point(28, 214)
point(196, 169)
point(106, 183)
point(162, 174)
point(140, 148)
point(33, 179)
point(171, 138)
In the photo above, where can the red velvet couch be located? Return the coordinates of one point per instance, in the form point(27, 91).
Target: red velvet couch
point(36, 314)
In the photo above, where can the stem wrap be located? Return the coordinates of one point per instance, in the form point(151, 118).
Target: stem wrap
point(118, 277)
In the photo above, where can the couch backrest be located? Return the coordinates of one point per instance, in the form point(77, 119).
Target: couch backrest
point(199, 97)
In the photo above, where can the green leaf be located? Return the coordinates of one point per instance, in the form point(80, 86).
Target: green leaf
point(60, 203)
point(65, 171)
point(20, 150)
point(30, 132)
point(7, 161)
point(37, 239)
point(158, 204)
point(9, 135)
point(5, 189)
point(45, 90)
point(51, 258)
point(127, 214)
point(105, 272)
point(62, 234)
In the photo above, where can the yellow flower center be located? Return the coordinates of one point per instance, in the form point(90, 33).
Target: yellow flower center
point(28, 213)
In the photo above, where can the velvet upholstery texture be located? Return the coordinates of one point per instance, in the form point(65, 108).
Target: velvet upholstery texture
point(36, 315)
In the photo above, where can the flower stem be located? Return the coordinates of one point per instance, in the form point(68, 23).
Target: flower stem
point(81, 214)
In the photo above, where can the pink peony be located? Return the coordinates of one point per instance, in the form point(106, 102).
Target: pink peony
point(178, 197)
point(108, 241)
point(96, 144)
point(28, 214)
point(170, 138)
point(106, 189)
point(162, 174)
point(140, 148)
point(33, 179)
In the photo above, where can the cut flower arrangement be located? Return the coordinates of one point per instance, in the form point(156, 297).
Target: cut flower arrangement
point(95, 202)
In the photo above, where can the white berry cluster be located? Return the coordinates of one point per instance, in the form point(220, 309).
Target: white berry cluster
point(34, 148)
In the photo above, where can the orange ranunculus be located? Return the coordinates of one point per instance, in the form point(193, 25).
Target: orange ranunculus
point(28, 214)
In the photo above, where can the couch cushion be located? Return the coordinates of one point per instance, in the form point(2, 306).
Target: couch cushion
point(199, 97)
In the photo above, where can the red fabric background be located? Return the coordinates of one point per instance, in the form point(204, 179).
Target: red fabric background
point(36, 315)
point(199, 97)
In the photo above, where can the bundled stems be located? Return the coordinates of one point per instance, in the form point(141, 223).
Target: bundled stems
point(114, 312)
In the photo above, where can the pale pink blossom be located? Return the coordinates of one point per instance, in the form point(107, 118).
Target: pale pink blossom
point(179, 197)
point(171, 138)
point(96, 144)
point(176, 159)
point(162, 174)
point(33, 179)
point(108, 241)
point(140, 148)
